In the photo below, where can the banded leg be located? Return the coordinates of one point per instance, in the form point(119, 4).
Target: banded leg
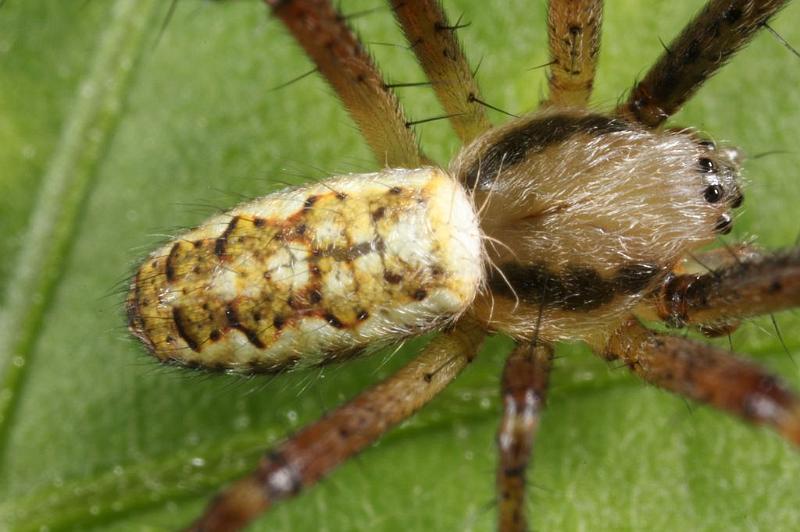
point(753, 285)
point(710, 39)
point(708, 375)
point(525, 380)
point(339, 55)
point(309, 455)
point(441, 56)
point(573, 28)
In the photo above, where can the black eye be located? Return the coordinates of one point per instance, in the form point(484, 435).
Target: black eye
point(737, 201)
point(709, 145)
point(706, 165)
point(713, 193)
point(724, 224)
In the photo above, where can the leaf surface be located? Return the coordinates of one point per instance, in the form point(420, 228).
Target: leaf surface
point(100, 437)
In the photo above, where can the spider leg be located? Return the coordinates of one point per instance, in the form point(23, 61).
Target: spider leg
point(573, 28)
point(343, 60)
point(753, 285)
point(710, 39)
point(709, 375)
point(441, 56)
point(716, 259)
point(524, 390)
point(303, 459)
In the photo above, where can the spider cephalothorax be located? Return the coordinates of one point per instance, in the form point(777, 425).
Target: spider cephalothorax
point(589, 213)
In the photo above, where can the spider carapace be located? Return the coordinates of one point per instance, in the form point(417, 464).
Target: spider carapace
point(565, 224)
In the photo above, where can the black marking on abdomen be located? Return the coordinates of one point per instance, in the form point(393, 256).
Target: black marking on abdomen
point(169, 267)
point(309, 202)
point(222, 241)
point(253, 338)
point(577, 288)
point(351, 253)
point(333, 321)
point(518, 144)
point(378, 213)
point(182, 327)
point(232, 317)
point(234, 323)
point(348, 254)
point(392, 277)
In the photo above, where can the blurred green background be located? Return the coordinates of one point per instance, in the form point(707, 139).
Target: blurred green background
point(116, 131)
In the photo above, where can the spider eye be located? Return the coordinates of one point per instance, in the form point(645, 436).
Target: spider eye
point(709, 145)
point(713, 193)
point(737, 201)
point(724, 224)
point(706, 165)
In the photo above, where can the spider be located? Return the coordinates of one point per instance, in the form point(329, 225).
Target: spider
point(82, 360)
point(535, 300)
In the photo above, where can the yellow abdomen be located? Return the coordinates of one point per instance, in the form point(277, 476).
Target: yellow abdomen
point(313, 274)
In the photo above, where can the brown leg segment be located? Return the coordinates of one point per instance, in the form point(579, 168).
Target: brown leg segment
point(436, 46)
point(708, 375)
point(718, 259)
point(312, 453)
point(573, 28)
point(757, 284)
point(345, 63)
point(525, 379)
point(704, 46)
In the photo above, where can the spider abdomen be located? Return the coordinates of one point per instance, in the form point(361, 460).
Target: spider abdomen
point(314, 274)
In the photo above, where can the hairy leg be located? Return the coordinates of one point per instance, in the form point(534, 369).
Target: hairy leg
point(524, 391)
point(303, 459)
point(708, 375)
point(342, 58)
point(704, 46)
point(574, 36)
point(436, 46)
point(751, 284)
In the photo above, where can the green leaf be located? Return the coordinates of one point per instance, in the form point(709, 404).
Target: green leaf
point(181, 123)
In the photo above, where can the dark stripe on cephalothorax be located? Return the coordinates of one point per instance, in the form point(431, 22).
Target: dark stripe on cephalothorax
point(633, 278)
point(533, 137)
point(182, 327)
point(577, 288)
point(222, 241)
